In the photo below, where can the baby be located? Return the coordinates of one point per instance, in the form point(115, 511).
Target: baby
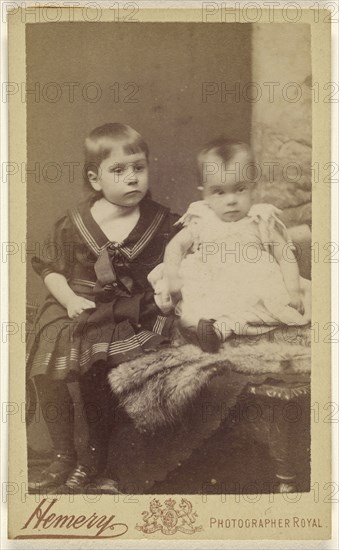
point(232, 263)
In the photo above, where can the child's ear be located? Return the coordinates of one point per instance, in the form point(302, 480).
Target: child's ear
point(94, 180)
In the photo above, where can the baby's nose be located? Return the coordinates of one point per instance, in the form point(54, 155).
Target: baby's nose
point(231, 198)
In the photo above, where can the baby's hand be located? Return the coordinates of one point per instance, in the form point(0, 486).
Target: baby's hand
point(174, 284)
point(77, 305)
point(174, 287)
point(162, 296)
point(296, 302)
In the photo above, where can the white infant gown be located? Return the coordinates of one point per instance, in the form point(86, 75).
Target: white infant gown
point(231, 276)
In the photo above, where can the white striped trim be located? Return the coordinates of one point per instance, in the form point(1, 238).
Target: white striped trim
point(82, 282)
point(42, 359)
point(86, 234)
point(88, 283)
point(159, 324)
point(61, 362)
point(137, 248)
point(140, 245)
point(115, 348)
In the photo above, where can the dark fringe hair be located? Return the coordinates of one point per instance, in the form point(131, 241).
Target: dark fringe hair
point(224, 148)
point(100, 144)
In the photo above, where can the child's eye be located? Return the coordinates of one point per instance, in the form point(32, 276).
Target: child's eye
point(241, 189)
point(139, 168)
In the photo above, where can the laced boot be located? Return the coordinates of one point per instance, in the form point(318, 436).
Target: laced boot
point(84, 473)
point(56, 473)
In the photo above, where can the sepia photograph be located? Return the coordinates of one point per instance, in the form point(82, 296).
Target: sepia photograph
point(169, 219)
point(169, 255)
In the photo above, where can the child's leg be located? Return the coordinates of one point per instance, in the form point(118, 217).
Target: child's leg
point(58, 412)
point(98, 404)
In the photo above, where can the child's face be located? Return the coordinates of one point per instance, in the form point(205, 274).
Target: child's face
point(122, 178)
point(227, 188)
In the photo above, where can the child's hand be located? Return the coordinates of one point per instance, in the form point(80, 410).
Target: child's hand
point(77, 305)
point(296, 302)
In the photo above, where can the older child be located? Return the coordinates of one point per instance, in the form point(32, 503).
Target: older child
point(232, 261)
point(100, 307)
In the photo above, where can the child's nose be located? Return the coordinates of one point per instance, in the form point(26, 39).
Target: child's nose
point(131, 176)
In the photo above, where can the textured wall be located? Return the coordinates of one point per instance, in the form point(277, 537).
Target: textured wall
point(282, 123)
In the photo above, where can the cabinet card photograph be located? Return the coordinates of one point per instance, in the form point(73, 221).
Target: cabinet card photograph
point(169, 252)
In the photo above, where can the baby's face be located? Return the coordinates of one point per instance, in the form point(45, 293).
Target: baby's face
point(227, 188)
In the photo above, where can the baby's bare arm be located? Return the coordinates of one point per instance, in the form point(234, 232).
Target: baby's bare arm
point(60, 289)
point(290, 270)
point(175, 251)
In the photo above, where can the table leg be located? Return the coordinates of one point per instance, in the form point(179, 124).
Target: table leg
point(284, 426)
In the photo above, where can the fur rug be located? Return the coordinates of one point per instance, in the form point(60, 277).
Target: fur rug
point(159, 388)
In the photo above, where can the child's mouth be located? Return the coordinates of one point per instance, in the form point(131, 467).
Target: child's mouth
point(135, 192)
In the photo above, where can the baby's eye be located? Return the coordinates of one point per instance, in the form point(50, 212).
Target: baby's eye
point(116, 170)
point(241, 189)
point(139, 167)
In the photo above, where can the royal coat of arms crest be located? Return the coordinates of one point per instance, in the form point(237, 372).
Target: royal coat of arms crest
point(168, 519)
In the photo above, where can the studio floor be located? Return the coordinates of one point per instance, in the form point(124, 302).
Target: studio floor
point(227, 462)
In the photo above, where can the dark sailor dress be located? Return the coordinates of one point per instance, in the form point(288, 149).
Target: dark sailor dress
point(126, 321)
